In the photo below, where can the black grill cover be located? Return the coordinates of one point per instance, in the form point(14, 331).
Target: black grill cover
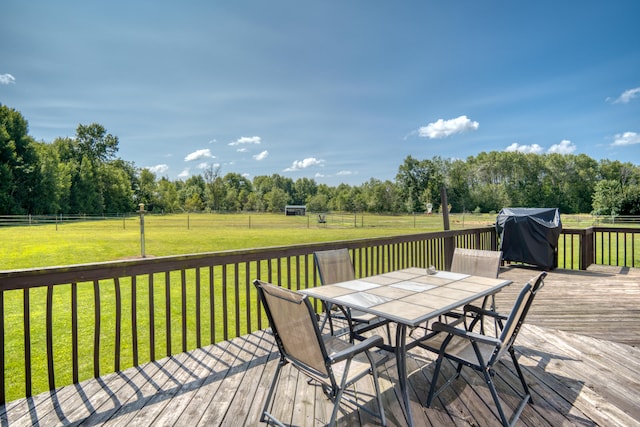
point(529, 235)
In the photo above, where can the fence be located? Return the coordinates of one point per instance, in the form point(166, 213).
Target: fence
point(33, 220)
point(249, 220)
point(268, 220)
point(617, 219)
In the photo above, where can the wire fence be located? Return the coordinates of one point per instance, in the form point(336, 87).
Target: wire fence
point(270, 220)
point(250, 220)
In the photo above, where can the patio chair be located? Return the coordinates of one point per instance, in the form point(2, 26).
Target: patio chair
point(335, 266)
point(331, 361)
point(476, 262)
point(481, 352)
point(475, 314)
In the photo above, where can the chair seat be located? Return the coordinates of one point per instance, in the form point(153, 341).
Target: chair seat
point(459, 348)
point(360, 317)
point(360, 364)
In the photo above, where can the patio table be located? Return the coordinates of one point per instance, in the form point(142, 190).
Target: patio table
point(409, 298)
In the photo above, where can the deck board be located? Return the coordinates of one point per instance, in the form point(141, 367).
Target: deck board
point(578, 350)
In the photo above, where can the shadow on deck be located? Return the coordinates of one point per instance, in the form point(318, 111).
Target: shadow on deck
point(578, 351)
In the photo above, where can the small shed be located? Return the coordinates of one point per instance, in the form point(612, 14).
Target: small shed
point(529, 235)
point(295, 210)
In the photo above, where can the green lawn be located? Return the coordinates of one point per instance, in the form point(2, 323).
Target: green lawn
point(74, 243)
point(94, 241)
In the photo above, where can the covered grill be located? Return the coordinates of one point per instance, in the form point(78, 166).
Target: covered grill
point(529, 235)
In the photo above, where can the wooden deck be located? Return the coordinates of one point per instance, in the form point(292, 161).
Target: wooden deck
point(579, 352)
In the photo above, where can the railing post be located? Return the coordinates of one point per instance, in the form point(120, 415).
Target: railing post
point(449, 241)
point(587, 255)
point(493, 239)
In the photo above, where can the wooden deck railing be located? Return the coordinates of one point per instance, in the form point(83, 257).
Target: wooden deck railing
point(65, 324)
point(62, 325)
point(579, 248)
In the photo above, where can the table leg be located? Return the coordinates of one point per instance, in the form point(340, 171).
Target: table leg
point(401, 362)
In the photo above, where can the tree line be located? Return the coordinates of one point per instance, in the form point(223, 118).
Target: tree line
point(84, 175)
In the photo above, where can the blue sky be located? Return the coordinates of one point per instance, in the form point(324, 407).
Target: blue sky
point(334, 90)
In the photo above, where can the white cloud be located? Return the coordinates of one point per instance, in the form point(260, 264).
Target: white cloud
point(246, 175)
point(246, 140)
point(319, 175)
point(199, 154)
point(443, 128)
point(565, 147)
point(534, 148)
point(184, 173)
point(261, 156)
point(7, 79)
point(203, 165)
point(627, 138)
point(345, 173)
point(242, 150)
point(303, 164)
point(159, 169)
point(627, 96)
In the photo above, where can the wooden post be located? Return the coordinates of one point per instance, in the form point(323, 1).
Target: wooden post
point(587, 252)
point(449, 242)
point(444, 205)
point(142, 250)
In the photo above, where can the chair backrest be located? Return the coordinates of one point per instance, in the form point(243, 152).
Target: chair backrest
point(518, 314)
point(294, 326)
point(334, 266)
point(476, 262)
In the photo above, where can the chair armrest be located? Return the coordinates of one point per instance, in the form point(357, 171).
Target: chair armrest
point(472, 336)
point(361, 346)
point(483, 311)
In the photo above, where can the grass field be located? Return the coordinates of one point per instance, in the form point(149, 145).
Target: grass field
point(113, 239)
point(106, 240)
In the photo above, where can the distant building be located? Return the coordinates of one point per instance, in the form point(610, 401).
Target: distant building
point(295, 210)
